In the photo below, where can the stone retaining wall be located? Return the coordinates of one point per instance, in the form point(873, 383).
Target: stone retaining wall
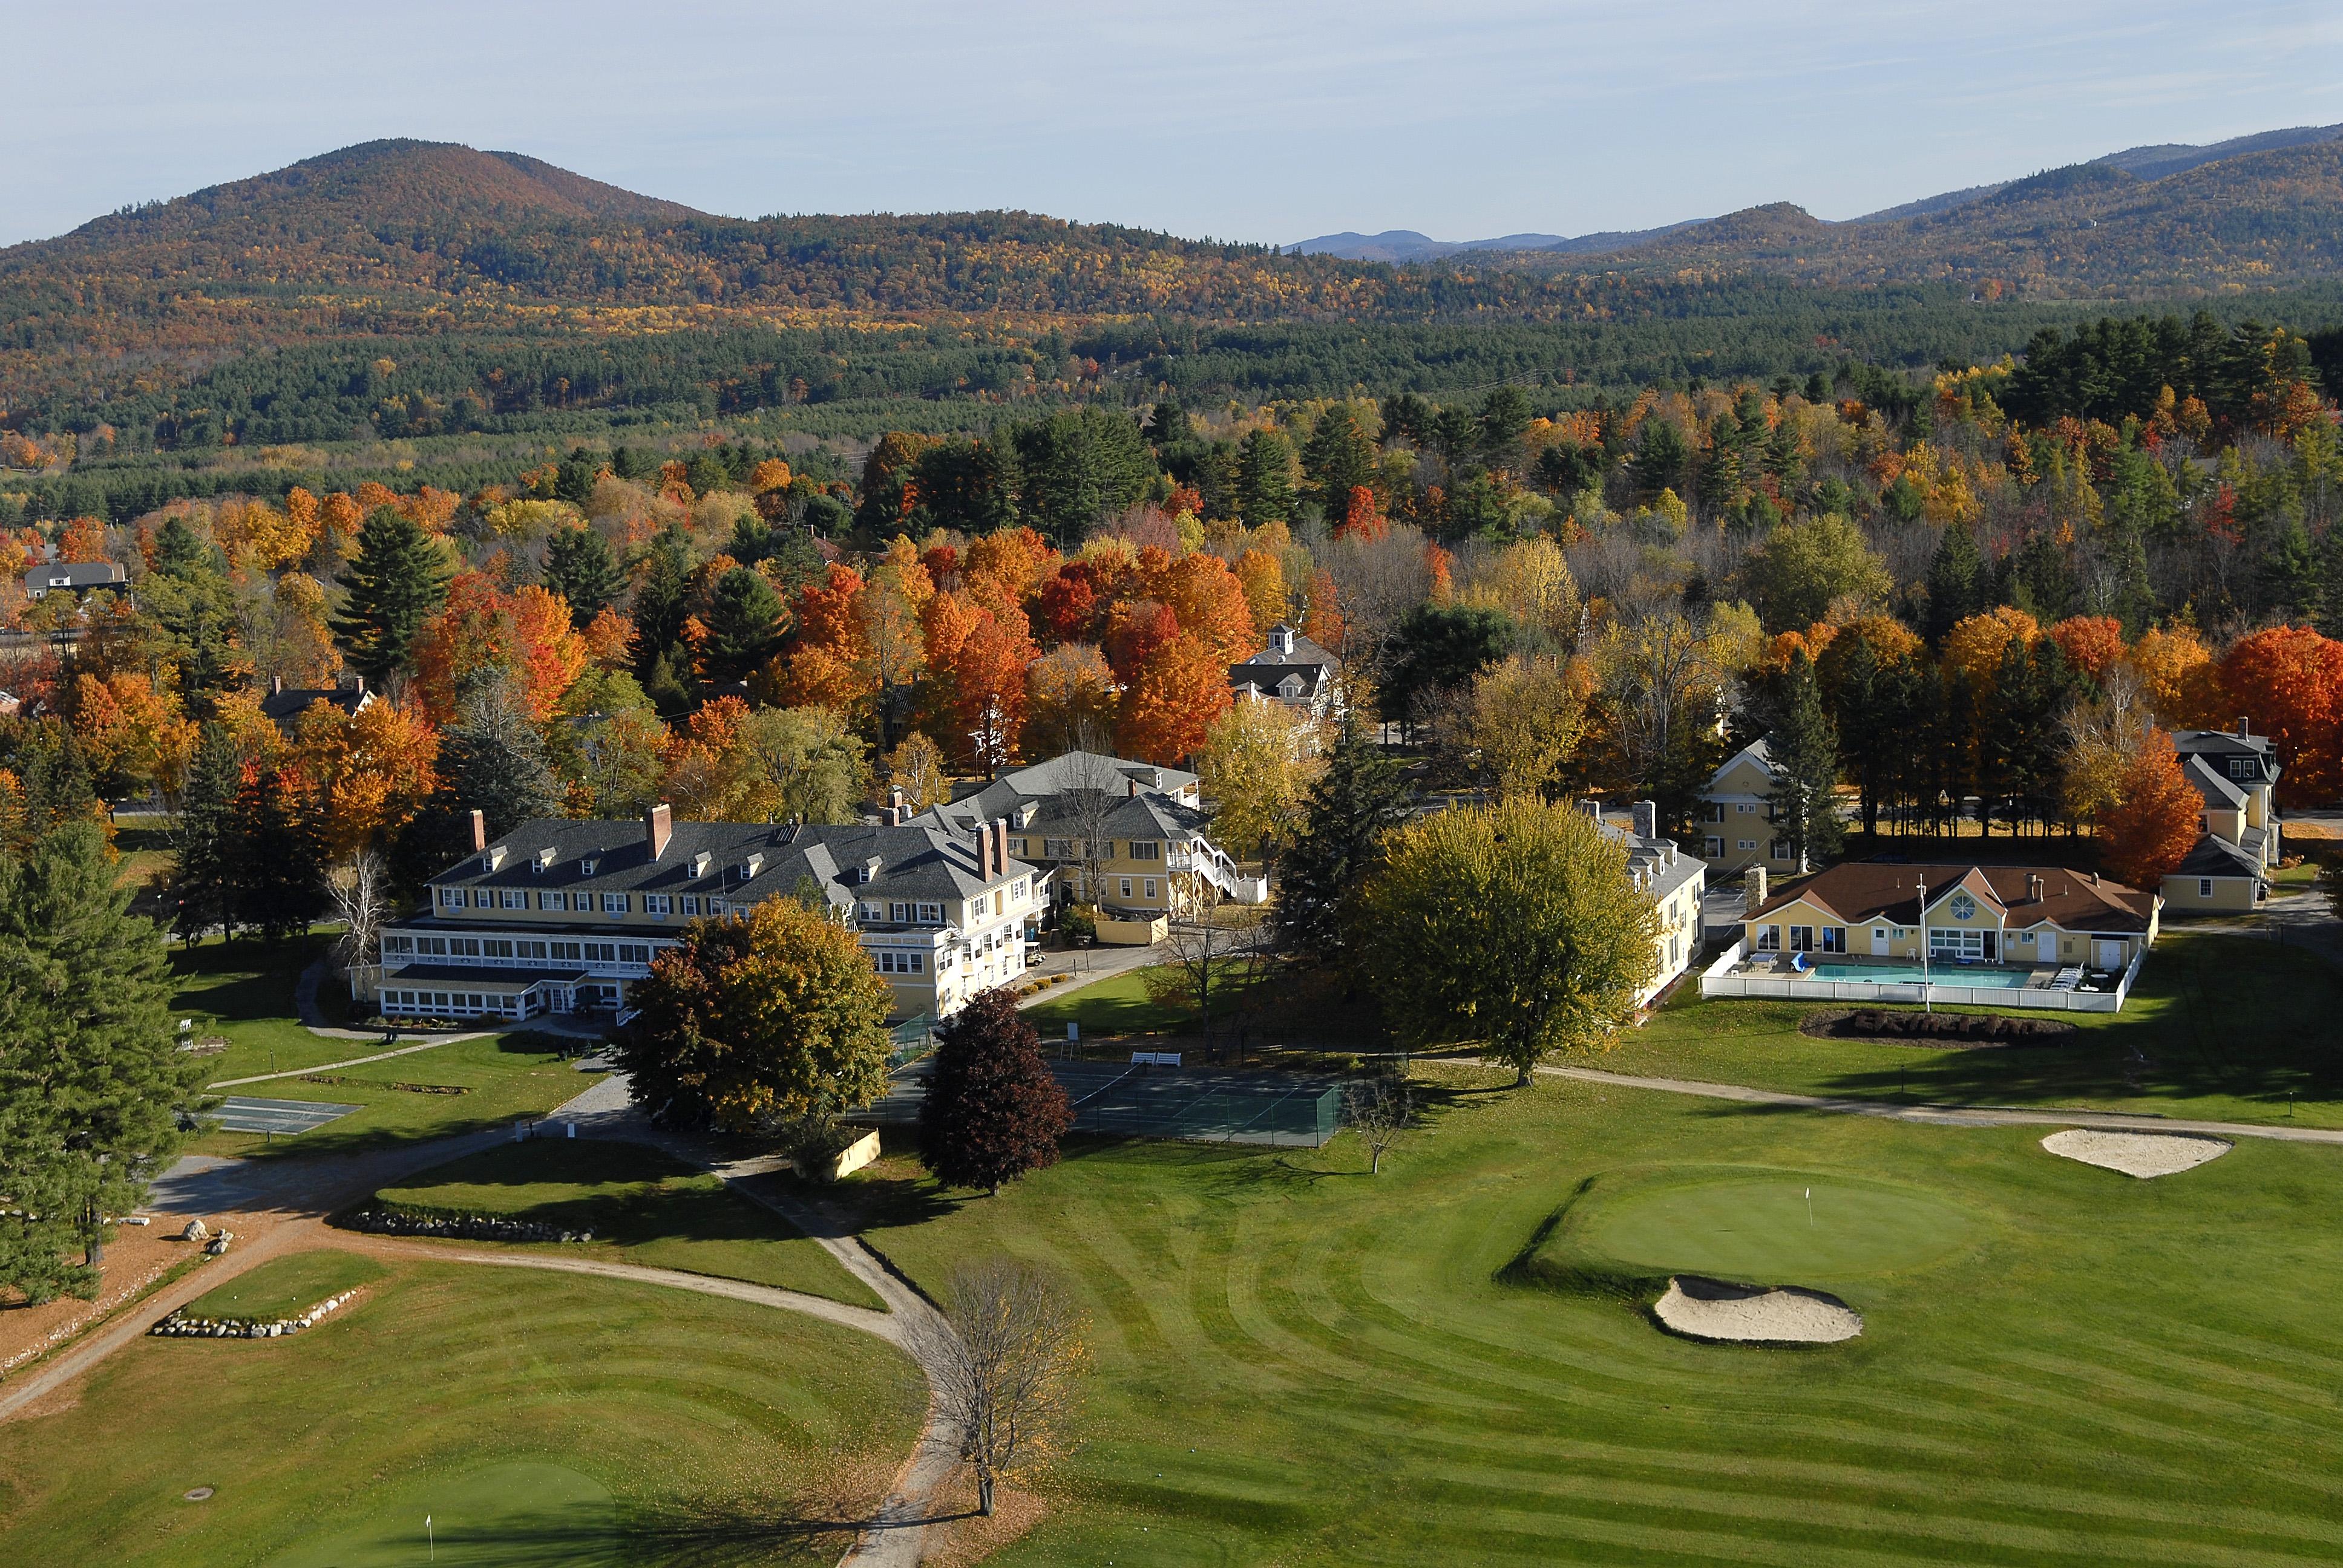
point(178, 1325)
point(462, 1227)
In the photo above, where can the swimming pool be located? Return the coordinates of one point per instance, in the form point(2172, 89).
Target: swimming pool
point(1981, 976)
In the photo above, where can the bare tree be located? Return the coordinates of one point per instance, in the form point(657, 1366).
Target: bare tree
point(1090, 786)
point(1003, 1362)
point(1381, 1110)
point(1206, 957)
point(360, 890)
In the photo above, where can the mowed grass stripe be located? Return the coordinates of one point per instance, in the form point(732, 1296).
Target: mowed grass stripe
point(2152, 1533)
point(1667, 1536)
point(2081, 1418)
point(2138, 1390)
point(1505, 1454)
point(1340, 1367)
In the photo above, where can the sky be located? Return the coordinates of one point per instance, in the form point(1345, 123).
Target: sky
point(1270, 120)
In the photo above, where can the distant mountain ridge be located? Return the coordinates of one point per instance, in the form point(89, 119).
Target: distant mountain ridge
point(413, 239)
point(2144, 164)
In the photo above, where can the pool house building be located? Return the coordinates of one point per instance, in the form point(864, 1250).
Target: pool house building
point(1996, 936)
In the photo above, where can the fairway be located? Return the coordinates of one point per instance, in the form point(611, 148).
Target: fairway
point(641, 1206)
point(1299, 1363)
point(1764, 1229)
point(502, 1514)
point(541, 1419)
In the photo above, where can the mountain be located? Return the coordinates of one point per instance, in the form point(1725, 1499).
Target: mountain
point(445, 249)
point(396, 237)
point(2171, 158)
point(1716, 238)
point(1402, 245)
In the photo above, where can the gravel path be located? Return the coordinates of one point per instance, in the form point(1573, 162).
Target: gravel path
point(895, 1536)
point(300, 1193)
point(1952, 1115)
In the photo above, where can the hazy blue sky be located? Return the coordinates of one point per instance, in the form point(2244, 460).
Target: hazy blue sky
point(1258, 120)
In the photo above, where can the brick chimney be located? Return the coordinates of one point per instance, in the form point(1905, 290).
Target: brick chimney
point(983, 852)
point(1001, 846)
point(659, 826)
point(1647, 820)
point(2242, 727)
point(276, 686)
point(480, 832)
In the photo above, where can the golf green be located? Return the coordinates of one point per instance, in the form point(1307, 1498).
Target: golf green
point(501, 1515)
point(1771, 1227)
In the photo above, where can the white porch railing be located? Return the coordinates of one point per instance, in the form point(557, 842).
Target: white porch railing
point(1206, 859)
point(1718, 980)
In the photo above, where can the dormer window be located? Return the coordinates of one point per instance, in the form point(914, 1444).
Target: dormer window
point(700, 864)
point(751, 866)
point(542, 861)
point(585, 867)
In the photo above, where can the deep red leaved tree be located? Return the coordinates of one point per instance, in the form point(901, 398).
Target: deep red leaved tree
point(992, 1111)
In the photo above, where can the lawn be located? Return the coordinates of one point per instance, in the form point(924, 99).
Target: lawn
point(504, 1079)
point(1118, 1004)
point(2220, 1027)
point(1297, 1363)
point(243, 991)
point(540, 1418)
point(642, 1206)
point(286, 1287)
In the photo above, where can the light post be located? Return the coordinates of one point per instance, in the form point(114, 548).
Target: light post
point(1925, 1004)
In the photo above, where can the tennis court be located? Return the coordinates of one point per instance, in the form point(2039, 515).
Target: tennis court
point(1119, 1100)
point(287, 1118)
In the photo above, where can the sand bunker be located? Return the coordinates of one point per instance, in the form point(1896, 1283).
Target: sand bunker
point(2141, 1154)
point(1752, 1314)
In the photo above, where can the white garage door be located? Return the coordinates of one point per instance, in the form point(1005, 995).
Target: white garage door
point(2108, 955)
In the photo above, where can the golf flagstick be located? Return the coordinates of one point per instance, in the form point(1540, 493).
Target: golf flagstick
point(1810, 1207)
point(430, 1542)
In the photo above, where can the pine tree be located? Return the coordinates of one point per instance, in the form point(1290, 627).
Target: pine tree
point(1264, 479)
point(992, 1111)
point(276, 858)
point(1956, 581)
point(397, 582)
point(744, 624)
point(579, 566)
point(206, 840)
point(1360, 796)
point(1804, 750)
point(2289, 571)
point(660, 606)
point(91, 1079)
point(492, 760)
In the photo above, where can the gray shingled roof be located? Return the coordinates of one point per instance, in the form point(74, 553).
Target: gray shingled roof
point(1061, 773)
point(2213, 857)
point(2210, 783)
point(917, 862)
point(77, 575)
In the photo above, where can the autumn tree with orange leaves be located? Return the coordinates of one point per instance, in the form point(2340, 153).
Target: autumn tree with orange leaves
point(2156, 820)
point(2288, 683)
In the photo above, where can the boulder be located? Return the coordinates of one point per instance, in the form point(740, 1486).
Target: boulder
point(197, 1231)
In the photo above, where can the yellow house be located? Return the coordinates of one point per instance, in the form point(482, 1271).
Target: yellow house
point(1154, 857)
point(2031, 923)
point(2237, 775)
point(1736, 815)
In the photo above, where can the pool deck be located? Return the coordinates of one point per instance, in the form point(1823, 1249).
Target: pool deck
point(1897, 971)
